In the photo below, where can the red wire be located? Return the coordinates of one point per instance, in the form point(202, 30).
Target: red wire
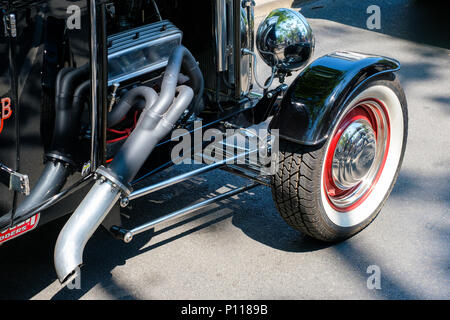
point(117, 131)
point(127, 132)
point(135, 119)
point(117, 139)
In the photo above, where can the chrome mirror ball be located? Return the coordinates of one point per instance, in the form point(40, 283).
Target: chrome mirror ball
point(285, 40)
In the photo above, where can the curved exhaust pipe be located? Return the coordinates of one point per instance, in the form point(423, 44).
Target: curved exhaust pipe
point(68, 114)
point(156, 121)
point(59, 160)
point(80, 227)
point(49, 183)
point(136, 97)
point(107, 190)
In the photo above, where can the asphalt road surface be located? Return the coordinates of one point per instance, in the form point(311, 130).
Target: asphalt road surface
point(242, 249)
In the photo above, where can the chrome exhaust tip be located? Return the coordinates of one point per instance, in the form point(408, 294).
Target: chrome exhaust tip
point(68, 255)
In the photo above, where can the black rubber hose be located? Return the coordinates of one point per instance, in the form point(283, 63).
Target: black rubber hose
point(67, 123)
point(72, 126)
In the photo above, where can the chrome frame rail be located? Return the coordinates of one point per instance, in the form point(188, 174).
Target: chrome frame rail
point(127, 235)
point(226, 164)
point(180, 178)
point(94, 94)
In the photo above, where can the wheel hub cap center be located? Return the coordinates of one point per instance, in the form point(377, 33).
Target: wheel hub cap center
point(354, 155)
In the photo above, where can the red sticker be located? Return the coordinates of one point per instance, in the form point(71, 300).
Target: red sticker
point(20, 229)
point(5, 111)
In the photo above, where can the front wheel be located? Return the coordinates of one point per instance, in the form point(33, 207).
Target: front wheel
point(334, 191)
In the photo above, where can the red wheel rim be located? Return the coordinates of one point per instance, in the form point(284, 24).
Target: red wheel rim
point(372, 113)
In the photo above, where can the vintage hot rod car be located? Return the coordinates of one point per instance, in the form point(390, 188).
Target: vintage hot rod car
point(94, 91)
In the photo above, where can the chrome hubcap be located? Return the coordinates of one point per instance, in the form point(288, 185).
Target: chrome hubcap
point(354, 155)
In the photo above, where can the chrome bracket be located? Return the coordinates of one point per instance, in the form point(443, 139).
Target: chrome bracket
point(248, 3)
point(107, 175)
point(15, 181)
point(9, 22)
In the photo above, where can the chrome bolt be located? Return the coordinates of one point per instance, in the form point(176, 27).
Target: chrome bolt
point(128, 237)
point(124, 202)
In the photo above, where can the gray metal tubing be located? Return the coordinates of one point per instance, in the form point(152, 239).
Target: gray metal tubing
point(187, 210)
point(185, 96)
point(156, 121)
point(102, 197)
point(220, 22)
point(180, 56)
point(55, 173)
point(93, 48)
point(82, 224)
point(50, 182)
point(151, 128)
point(81, 94)
point(134, 98)
point(183, 177)
point(130, 99)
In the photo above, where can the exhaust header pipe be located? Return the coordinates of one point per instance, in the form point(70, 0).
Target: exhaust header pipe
point(60, 162)
point(156, 121)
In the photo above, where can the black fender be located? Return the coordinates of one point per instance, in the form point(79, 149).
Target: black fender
point(320, 92)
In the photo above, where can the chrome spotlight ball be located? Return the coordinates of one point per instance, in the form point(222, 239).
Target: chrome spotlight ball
point(285, 40)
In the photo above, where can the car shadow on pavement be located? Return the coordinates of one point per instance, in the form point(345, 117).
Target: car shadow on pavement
point(26, 265)
point(359, 260)
point(260, 227)
point(24, 275)
point(430, 192)
point(248, 212)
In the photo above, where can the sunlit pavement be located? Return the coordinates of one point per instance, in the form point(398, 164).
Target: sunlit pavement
point(242, 249)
